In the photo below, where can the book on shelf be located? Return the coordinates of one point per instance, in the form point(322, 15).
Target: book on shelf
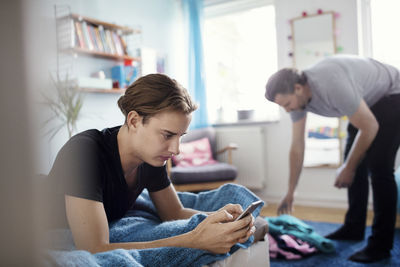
point(92, 35)
point(117, 43)
point(86, 36)
point(76, 43)
point(124, 46)
point(110, 41)
point(78, 29)
point(98, 39)
point(104, 40)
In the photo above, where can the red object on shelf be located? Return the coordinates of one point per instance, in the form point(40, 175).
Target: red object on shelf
point(319, 11)
point(115, 84)
point(128, 62)
point(304, 14)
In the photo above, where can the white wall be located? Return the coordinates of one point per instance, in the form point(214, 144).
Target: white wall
point(249, 157)
point(316, 185)
point(161, 22)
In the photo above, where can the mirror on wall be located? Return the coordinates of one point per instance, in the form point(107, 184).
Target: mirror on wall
point(313, 38)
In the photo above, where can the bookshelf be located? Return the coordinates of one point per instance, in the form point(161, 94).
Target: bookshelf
point(99, 54)
point(93, 38)
point(103, 91)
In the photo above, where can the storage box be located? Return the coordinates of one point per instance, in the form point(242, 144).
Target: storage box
point(118, 75)
point(97, 83)
point(125, 75)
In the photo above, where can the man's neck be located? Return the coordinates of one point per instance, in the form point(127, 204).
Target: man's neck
point(128, 161)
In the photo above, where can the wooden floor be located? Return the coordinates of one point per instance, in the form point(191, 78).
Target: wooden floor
point(318, 214)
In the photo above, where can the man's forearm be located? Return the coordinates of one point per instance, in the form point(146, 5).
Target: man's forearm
point(183, 240)
point(296, 165)
point(187, 213)
point(364, 120)
point(361, 144)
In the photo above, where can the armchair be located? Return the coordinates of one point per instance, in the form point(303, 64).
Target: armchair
point(207, 176)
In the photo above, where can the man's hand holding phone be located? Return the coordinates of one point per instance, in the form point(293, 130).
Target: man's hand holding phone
point(249, 209)
point(237, 212)
point(219, 231)
point(225, 227)
point(233, 209)
point(243, 216)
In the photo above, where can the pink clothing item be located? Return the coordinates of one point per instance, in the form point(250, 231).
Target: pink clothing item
point(195, 153)
point(274, 250)
point(299, 245)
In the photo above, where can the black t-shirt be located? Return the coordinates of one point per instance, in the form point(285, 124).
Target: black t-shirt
point(88, 166)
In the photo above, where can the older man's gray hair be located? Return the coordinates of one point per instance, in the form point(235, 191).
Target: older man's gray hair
point(283, 81)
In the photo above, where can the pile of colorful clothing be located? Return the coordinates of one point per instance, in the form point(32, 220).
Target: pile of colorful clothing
point(291, 239)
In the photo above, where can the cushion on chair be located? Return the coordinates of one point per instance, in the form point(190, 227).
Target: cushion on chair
point(195, 134)
point(198, 174)
point(194, 153)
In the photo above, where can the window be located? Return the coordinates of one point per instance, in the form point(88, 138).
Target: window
point(380, 20)
point(323, 141)
point(240, 54)
point(385, 38)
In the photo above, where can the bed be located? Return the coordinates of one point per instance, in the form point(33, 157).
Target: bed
point(143, 224)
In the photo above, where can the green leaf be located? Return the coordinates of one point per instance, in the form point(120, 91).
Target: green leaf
point(65, 105)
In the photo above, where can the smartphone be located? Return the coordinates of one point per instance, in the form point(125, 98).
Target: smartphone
point(249, 209)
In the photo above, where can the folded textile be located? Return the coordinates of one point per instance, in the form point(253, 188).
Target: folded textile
point(276, 252)
point(143, 224)
point(296, 245)
point(287, 224)
point(289, 247)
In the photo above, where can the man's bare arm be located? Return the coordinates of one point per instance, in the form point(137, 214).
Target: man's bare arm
point(89, 226)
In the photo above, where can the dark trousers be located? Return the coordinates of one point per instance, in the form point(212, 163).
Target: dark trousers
point(378, 164)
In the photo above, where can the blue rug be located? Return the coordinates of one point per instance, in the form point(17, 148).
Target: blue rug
point(343, 250)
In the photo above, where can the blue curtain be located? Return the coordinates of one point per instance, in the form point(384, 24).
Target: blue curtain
point(193, 13)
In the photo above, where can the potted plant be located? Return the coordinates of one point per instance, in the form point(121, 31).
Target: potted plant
point(65, 105)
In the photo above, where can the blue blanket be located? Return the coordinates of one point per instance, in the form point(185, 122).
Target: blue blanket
point(143, 224)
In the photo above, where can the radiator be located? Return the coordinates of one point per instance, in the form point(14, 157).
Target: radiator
point(249, 157)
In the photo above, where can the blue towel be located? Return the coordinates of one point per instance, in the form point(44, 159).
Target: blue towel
point(143, 224)
point(287, 224)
